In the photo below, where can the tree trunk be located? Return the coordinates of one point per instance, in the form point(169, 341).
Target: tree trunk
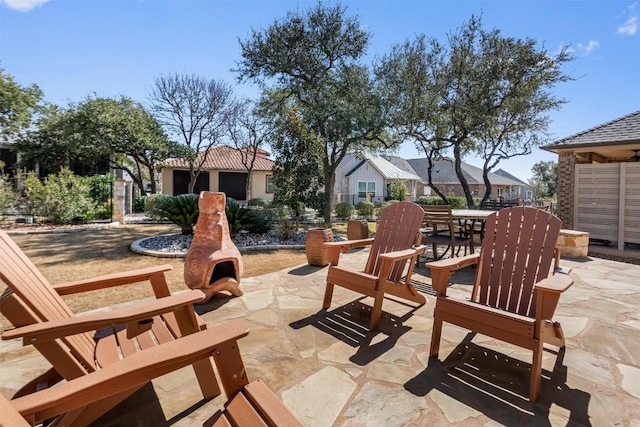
point(248, 185)
point(487, 187)
point(463, 181)
point(329, 185)
point(152, 177)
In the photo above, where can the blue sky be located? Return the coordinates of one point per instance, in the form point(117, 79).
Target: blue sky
point(76, 48)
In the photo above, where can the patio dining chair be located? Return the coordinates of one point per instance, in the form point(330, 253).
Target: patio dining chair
point(515, 291)
point(440, 229)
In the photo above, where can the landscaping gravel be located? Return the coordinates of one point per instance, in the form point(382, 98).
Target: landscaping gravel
point(181, 243)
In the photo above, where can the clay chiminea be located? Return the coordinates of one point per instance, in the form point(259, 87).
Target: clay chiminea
point(213, 263)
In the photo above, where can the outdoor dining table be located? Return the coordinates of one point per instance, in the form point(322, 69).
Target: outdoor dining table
point(471, 217)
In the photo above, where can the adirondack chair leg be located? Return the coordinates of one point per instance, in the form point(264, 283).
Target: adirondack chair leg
point(376, 311)
point(328, 295)
point(436, 334)
point(536, 372)
point(206, 378)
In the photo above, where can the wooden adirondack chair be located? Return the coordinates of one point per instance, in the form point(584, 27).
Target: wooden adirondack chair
point(394, 251)
point(515, 293)
point(43, 319)
point(250, 404)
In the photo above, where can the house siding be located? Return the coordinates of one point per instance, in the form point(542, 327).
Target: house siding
point(258, 182)
point(366, 173)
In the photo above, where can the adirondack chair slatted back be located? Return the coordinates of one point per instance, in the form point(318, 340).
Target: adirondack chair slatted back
point(397, 229)
point(35, 299)
point(517, 252)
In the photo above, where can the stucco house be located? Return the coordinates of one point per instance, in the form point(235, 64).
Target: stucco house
point(369, 178)
point(598, 176)
point(222, 170)
point(443, 176)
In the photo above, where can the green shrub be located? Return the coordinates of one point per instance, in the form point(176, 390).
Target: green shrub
point(62, 198)
point(151, 202)
point(397, 191)
point(344, 210)
point(239, 217)
point(258, 202)
point(262, 221)
point(182, 210)
point(7, 195)
point(101, 187)
point(378, 206)
point(139, 204)
point(455, 201)
point(365, 209)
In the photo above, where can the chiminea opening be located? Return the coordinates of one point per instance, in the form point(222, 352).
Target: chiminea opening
point(223, 269)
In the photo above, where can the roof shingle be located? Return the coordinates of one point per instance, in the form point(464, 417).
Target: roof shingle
point(625, 129)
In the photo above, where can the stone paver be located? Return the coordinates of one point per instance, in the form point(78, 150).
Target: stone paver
point(332, 371)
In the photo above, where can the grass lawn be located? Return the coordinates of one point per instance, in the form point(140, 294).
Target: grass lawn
point(66, 257)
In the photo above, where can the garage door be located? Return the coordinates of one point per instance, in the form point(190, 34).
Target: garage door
point(181, 182)
point(233, 184)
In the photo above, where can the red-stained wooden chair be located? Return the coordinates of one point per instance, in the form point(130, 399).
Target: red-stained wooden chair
point(394, 252)
point(515, 291)
point(250, 403)
point(44, 320)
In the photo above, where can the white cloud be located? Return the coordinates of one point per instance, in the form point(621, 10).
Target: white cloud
point(23, 5)
point(630, 26)
point(588, 48)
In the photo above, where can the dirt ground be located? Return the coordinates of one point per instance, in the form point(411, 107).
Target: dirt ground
point(65, 257)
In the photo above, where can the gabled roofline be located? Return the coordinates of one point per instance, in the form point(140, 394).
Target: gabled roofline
point(563, 142)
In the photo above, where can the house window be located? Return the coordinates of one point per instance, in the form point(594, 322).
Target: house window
point(271, 188)
point(500, 192)
point(366, 187)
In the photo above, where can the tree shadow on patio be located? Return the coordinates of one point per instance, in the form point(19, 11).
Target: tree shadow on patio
point(497, 386)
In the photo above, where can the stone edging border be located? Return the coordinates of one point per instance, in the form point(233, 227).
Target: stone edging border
point(137, 248)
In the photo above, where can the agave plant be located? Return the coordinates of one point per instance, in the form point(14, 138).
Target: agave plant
point(239, 217)
point(182, 210)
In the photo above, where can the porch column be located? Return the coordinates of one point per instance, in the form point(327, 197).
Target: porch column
point(566, 188)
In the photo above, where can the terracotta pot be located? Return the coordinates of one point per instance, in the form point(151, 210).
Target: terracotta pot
point(314, 245)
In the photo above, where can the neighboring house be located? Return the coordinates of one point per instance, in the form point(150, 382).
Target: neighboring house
point(369, 178)
point(443, 176)
point(526, 192)
point(598, 176)
point(223, 171)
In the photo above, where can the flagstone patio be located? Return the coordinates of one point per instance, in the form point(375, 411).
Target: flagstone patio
point(331, 371)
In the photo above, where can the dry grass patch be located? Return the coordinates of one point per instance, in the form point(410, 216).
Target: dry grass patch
point(68, 257)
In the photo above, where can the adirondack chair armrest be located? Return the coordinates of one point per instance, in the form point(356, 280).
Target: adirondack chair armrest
point(334, 249)
point(115, 279)
point(404, 254)
point(557, 283)
point(133, 371)
point(441, 270)
point(53, 329)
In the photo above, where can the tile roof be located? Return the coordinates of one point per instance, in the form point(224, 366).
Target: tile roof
point(625, 129)
point(225, 158)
